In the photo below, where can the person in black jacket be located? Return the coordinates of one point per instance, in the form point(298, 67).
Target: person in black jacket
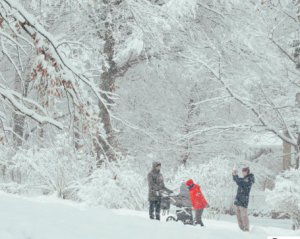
point(242, 198)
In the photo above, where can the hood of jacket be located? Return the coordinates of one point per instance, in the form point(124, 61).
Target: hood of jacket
point(154, 165)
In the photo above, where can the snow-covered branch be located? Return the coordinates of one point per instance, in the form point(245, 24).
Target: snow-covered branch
point(218, 129)
point(17, 102)
point(268, 126)
point(48, 46)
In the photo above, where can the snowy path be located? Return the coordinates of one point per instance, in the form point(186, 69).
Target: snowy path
point(53, 219)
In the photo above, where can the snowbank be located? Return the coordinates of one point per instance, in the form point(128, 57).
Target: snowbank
point(52, 219)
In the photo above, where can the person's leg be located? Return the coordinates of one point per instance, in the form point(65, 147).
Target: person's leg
point(189, 213)
point(151, 209)
point(245, 219)
point(239, 218)
point(157, 210)
point(198, 217)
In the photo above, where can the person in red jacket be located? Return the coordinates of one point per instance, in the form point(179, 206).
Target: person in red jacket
point(198, 201)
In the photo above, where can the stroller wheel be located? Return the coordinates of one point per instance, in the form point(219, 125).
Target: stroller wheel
point(171, 219)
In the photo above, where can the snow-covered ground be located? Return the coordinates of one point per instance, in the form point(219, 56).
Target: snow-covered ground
point(49, 218)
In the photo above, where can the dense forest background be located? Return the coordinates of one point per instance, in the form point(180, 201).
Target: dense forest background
point(93, 91)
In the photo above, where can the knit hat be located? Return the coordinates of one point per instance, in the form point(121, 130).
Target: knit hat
point(189, 182)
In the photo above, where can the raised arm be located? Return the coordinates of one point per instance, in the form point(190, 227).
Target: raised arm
point(242, 182)
point(237, 179)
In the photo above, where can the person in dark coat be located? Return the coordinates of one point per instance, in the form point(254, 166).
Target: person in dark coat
point(242, 197)
point(156, 188)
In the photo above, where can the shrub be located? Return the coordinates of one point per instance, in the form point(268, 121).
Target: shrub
point(115, 186)
point(52, 170)
point(215, 180)
point(285, 197)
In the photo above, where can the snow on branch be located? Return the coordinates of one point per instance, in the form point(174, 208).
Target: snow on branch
point(218, 129)
point(52, 62)
point(16, 101)
point(239, 99)
point(30, 25)
point(268, 126)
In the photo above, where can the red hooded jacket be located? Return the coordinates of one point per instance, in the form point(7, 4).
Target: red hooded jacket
point(197, 198)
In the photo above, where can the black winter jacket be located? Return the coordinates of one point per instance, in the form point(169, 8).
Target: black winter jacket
point(244, 187)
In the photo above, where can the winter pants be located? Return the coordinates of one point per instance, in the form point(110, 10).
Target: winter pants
point(242, 217)
point(198, 217)
point(154, 208)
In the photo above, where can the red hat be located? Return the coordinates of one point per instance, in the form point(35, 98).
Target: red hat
point(189, 182)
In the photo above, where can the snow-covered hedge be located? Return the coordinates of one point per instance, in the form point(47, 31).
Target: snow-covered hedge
point(115, 186)
point(119, 186)
point(74, 176)
point(215, 180)
point(285, 197)
point(45, 170)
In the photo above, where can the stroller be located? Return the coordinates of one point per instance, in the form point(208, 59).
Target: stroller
point(183, 213)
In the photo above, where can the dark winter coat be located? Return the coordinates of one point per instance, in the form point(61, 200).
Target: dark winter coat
point(156, 184)
point(244, 187)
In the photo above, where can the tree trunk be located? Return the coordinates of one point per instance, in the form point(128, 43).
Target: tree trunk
point(18, 129)
point(107, 84)
point(187, 146)
point(287, 154)
point(298, 152)
point(76, 132)
point(18, 119)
